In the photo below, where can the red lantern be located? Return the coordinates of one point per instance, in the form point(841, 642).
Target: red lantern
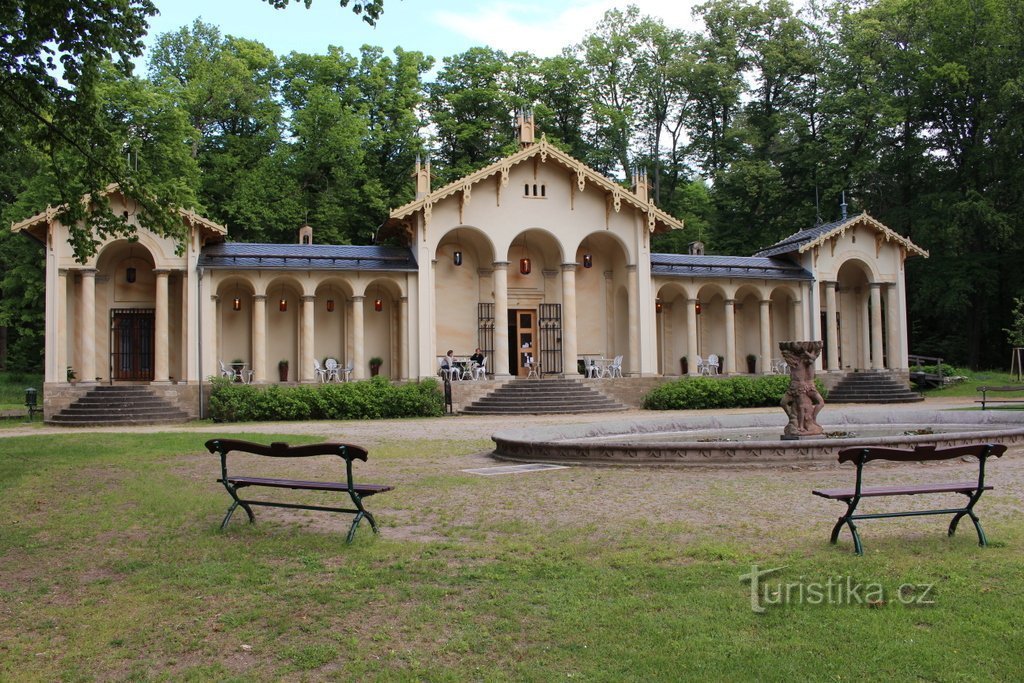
point(283, 304)
point(378, 304)
point(236, 304)
point(657, 305)
point(525, 266)
point(696, 307)
point(588, 260)
point(330, 305)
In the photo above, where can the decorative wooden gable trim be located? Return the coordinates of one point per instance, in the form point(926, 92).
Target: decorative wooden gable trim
point(541, 152)
point(882, 235)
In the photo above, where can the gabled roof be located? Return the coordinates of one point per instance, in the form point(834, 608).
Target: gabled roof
point(306, 257)
point(812, 237)
point(50, 212)
point(545, 150)
point(751, 267)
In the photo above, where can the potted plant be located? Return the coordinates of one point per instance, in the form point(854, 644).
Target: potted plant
point(751, 363)
point(282, 369)
point(375, 364)
point(684, 365)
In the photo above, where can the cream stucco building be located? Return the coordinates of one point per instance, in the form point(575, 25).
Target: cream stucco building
point(535, 255)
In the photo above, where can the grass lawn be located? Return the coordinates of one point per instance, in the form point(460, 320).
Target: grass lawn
point(113, 568)
point(12, 389)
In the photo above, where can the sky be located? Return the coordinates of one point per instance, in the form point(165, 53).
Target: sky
point(439, 28)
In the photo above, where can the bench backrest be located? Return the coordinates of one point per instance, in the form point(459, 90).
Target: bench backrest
point(283, 450)
point(862, 454)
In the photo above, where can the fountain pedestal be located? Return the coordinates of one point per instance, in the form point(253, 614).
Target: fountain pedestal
point(802, 400)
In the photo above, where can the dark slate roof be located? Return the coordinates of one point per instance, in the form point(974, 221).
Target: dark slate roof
point(306, 257)
point(690, 265)
point(798, 239)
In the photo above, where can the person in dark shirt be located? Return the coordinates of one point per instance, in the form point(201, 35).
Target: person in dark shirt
point(477, 357)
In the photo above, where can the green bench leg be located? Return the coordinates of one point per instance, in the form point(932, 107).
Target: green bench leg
point(231, 510)
point(851, 505)
point(969, 511)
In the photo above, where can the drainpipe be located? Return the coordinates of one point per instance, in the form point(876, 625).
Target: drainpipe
point(199, 338)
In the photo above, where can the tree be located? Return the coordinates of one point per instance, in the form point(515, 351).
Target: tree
point(370, 9)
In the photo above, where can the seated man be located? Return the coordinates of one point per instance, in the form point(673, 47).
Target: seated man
point(477, 357)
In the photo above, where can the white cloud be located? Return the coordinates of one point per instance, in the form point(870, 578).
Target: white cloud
point(544, 28)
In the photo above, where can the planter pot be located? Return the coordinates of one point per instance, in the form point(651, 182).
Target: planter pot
point(282, 371)
point(751, 365)
point(238, 371)
point(374, 370)
point(684, 365)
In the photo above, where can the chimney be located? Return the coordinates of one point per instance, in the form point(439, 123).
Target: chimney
point(524, 120)
point(306, 234)
point(422, 175)
point(641, 188)
point(842, 207)
point(696, 248)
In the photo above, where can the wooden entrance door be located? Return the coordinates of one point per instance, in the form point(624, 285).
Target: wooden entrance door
point(522, 336)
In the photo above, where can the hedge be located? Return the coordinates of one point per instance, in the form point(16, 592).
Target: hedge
point(694, 393)
point(375, 399)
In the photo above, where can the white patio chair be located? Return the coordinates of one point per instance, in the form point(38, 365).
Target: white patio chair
point(702, 365)
point(615, 369)
point(225, 372)
point(319, 374)
point(712, 364)
point(452, 371)
point(331, 370)
point(534, 368)
point(345, 373)
point(480, 369)
point(593, 371)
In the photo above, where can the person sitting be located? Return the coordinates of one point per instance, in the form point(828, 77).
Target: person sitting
point(451, 370)
point(477, 357)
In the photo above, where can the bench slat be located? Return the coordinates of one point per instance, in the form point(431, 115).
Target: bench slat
point(361, 489)
point(900, 490)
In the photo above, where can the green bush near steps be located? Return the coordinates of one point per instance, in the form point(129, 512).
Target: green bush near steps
point(698, 393)
point(374, 399)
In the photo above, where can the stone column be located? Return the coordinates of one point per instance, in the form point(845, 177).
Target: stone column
point(87, 327)
point(892, 317)
point(798, 321)
point(402, 372)
point(691, 336)
point(259, 338)
point(876, 326)
point(569, 346)
point(61, 336)
point(358, 371)
point(766, 337)
point(831, 330)
point(609, 314)
point(728, 364)
point(160, 344)
point(634, 319)
point(500, 366)
point(305, 373)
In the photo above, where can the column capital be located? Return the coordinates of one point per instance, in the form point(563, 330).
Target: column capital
point(876, 285)
point(569, 266)
point(500, 265)
point(215, 298)
point(62, 272)
point(308, 297)
point(162, 271)
point(86, 272)
point(259, 297)
point(631, 268)
point(609, 274)
point(358, 298)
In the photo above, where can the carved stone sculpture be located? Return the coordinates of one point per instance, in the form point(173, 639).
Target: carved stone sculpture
point(802, 401)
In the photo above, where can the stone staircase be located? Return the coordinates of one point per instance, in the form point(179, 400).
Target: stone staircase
point(118, 404)
point(871, 387)
point(542, 397)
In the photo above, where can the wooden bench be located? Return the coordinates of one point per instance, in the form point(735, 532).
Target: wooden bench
point(356, 492)
point(985, 391)
point(862, 455)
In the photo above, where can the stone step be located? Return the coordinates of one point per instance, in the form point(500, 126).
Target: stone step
point(116, 404)
point(547, 396)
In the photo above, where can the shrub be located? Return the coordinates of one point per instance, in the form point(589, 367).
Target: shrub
point(373, 399)
point(696, 393)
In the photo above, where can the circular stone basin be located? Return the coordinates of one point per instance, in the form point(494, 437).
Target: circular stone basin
point(751, 438)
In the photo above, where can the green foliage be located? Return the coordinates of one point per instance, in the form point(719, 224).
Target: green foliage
point(1015, 333)
point(370, 400)
point(698, 393)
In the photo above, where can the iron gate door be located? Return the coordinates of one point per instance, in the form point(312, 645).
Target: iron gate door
point(485, 332)
point(549, 319)
point(131, 343)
